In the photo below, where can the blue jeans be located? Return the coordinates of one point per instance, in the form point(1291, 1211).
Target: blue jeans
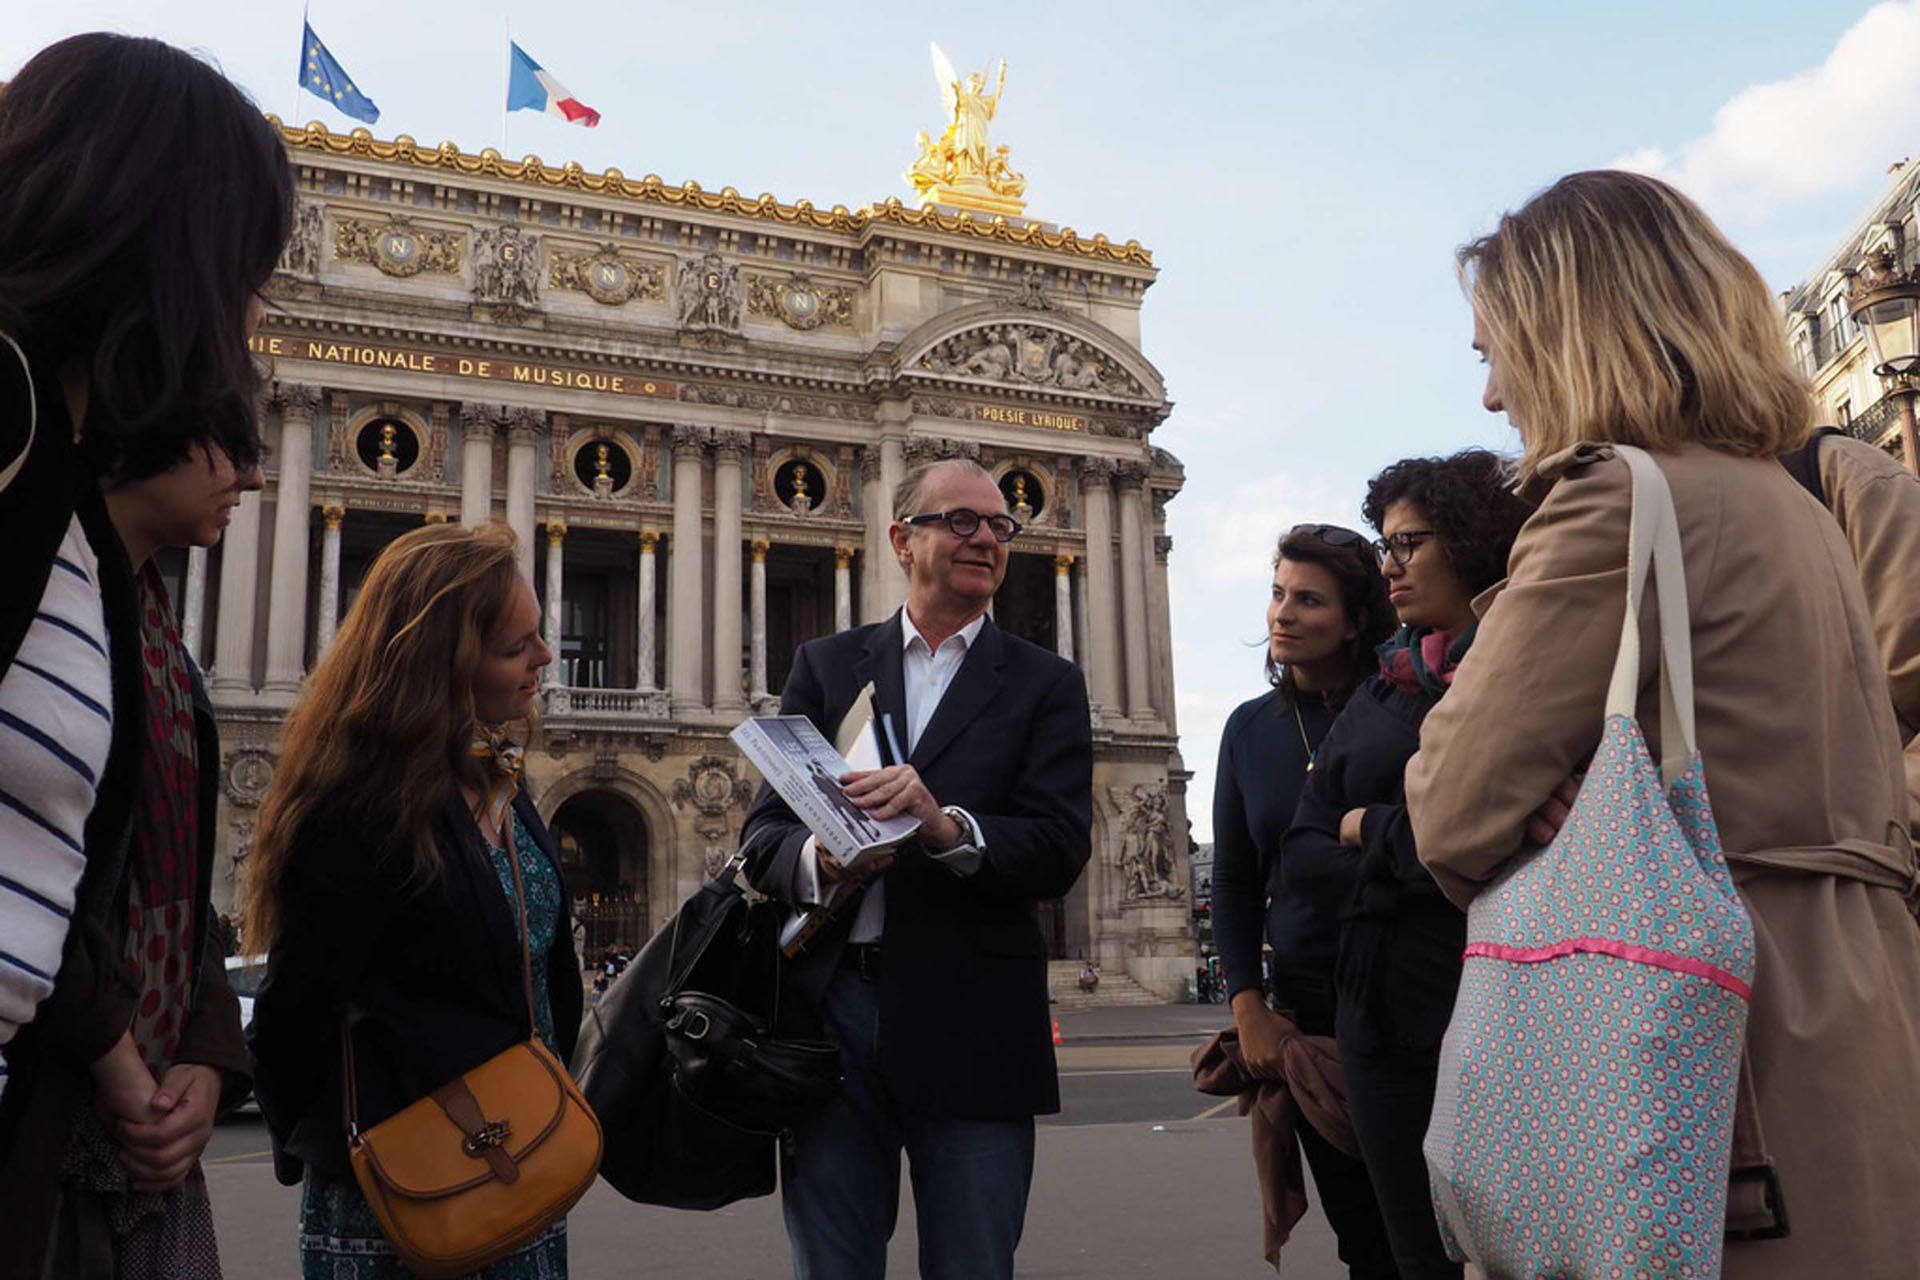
point(840, 1186)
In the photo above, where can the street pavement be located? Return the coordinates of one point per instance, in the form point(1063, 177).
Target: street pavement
point(1137, 1176)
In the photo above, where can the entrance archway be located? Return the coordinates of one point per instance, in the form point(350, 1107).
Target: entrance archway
point(603, 841)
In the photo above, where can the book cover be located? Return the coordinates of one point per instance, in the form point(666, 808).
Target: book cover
point(801, 765)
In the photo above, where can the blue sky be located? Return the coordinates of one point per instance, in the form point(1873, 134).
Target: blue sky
point(1302, 173)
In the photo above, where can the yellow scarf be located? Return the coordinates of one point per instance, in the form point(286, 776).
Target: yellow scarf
point(490, 742)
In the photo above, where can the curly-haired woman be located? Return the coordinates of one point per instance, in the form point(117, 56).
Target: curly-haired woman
point(1446, 525)
point(383, 879)
point(1327, 612)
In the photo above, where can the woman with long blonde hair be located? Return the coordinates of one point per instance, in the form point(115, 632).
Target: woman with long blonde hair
point(381, 885)
point(1610, 310)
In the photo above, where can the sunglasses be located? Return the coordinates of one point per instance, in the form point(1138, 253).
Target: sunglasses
point(1332, 534)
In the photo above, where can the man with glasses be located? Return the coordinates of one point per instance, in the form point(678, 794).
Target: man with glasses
point(933, 982)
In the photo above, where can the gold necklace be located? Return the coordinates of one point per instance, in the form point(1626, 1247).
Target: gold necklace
point(1300, 724)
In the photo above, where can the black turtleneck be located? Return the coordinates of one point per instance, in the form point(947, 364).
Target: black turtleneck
point(1263, 768)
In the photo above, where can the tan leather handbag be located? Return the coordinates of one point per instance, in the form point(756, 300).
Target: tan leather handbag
point(487, 1161)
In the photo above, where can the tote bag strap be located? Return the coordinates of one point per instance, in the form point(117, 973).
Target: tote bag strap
point(1653, 543)
point(11, 469)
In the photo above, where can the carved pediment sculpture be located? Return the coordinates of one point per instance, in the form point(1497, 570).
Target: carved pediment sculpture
point(398, 247)
point(708, 295)
point(506, 269)
point(608, 277)
point(1030, 355)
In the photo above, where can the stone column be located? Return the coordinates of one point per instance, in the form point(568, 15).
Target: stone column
point(1063, 606)
point(649, 544)
point(683, 646)
point(193, 602)
point(239, 574)
point(522, 464)
point(292, 518)
point(477, 425)
point(1163, 651)
point(890, 580)
point(875, 503)
point(1135, 608)
point(556, 587)
point(842, 588)
point(729, 451)
point(329, 623)
point(1080, 628)
point(1100, 647)
point(757, 612)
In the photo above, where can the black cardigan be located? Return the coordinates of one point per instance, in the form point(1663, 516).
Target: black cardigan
point(1400, 941)
point(1262, 771)
point(431, 977)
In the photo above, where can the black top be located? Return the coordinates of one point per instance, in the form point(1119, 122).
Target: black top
point(1263, 768)
point(431, 977)
point(962, 996)
point(1400, 941)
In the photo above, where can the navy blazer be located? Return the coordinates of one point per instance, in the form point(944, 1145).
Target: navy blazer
point(964, 1029)
point(430, 976)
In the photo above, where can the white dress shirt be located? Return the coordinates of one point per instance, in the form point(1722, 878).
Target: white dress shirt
point(928, 673)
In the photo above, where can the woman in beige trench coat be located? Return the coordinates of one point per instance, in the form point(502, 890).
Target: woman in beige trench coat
point(1610, 310)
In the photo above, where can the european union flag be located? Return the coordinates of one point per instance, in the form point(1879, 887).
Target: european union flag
point(322, 76)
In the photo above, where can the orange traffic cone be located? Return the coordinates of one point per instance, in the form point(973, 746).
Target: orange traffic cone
point(1056, 1031)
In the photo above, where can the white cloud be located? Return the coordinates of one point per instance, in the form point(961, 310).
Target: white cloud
point(1822, 130)
point(1237, 534)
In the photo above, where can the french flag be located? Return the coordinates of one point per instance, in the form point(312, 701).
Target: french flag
point(529, 88)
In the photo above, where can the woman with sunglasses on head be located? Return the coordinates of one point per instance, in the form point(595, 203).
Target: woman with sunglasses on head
point(1446, 525)
point(395, 851)
point(1610, 310)
point(143, 204)
point(1327, 612)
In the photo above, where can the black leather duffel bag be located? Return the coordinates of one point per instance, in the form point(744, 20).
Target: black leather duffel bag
point(688, 1060)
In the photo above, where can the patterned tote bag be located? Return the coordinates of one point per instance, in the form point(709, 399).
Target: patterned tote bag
point(1584, 1116)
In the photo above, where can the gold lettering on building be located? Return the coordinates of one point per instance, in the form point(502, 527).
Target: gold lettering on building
point(1029, 418)
point(538, 375)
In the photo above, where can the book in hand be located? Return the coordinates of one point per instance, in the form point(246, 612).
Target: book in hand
point(802, 766)
point(798, 762)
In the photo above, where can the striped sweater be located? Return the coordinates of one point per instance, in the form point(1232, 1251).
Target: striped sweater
point(56, 725)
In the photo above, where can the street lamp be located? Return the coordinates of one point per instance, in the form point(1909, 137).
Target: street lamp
point(1885, 301)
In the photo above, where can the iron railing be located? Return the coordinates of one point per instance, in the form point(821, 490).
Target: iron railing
point(1873, 424)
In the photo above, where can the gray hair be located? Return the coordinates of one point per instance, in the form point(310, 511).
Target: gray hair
point(907, 494)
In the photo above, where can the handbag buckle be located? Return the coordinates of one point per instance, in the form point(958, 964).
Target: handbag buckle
point(692, 1023)
point(1776, 1204)
point(491, 1134)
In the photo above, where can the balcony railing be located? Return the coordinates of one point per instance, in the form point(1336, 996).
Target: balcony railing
point(1880, 417)
point(608, 707)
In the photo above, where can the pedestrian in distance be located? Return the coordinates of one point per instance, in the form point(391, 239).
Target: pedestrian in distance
point(381, 884)
point(1445, 526)
point(1610, 310)
point(144, 206)
point(1327, 612)
point(935, 986)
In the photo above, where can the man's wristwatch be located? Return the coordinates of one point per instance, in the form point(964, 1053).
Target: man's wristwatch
point(969, 829)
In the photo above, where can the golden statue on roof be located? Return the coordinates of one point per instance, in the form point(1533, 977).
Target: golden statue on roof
point(962, 168)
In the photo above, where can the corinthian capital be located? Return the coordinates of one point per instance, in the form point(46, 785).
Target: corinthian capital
point(523, 425)
point(689, 440)
point(479, 421)
point(296, 399)
point(729, 445)
point(1130, 473)
point(1096, 471)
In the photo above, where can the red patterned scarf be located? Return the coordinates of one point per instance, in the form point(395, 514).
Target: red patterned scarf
point(163, 863)
point(1421, 661)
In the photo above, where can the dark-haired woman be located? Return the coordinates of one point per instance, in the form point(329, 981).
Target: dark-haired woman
point(1327, 613)
point(1446, 525)
point(393, 844)
point(143, 205)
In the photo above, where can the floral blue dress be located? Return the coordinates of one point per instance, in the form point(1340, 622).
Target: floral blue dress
point(339, 1237)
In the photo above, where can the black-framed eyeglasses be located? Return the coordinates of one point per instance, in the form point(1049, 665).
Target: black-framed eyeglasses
point(1334, 535)
point(1402, 545)
point(963, 522)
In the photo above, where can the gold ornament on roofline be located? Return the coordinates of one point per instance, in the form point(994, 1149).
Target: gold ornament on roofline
point(961, 168)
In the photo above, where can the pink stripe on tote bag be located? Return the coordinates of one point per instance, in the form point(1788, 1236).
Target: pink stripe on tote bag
point(1584, 1116)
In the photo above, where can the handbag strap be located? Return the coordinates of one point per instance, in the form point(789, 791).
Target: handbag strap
point(1653, 543)
point(351, 1092)
point(12, 469)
